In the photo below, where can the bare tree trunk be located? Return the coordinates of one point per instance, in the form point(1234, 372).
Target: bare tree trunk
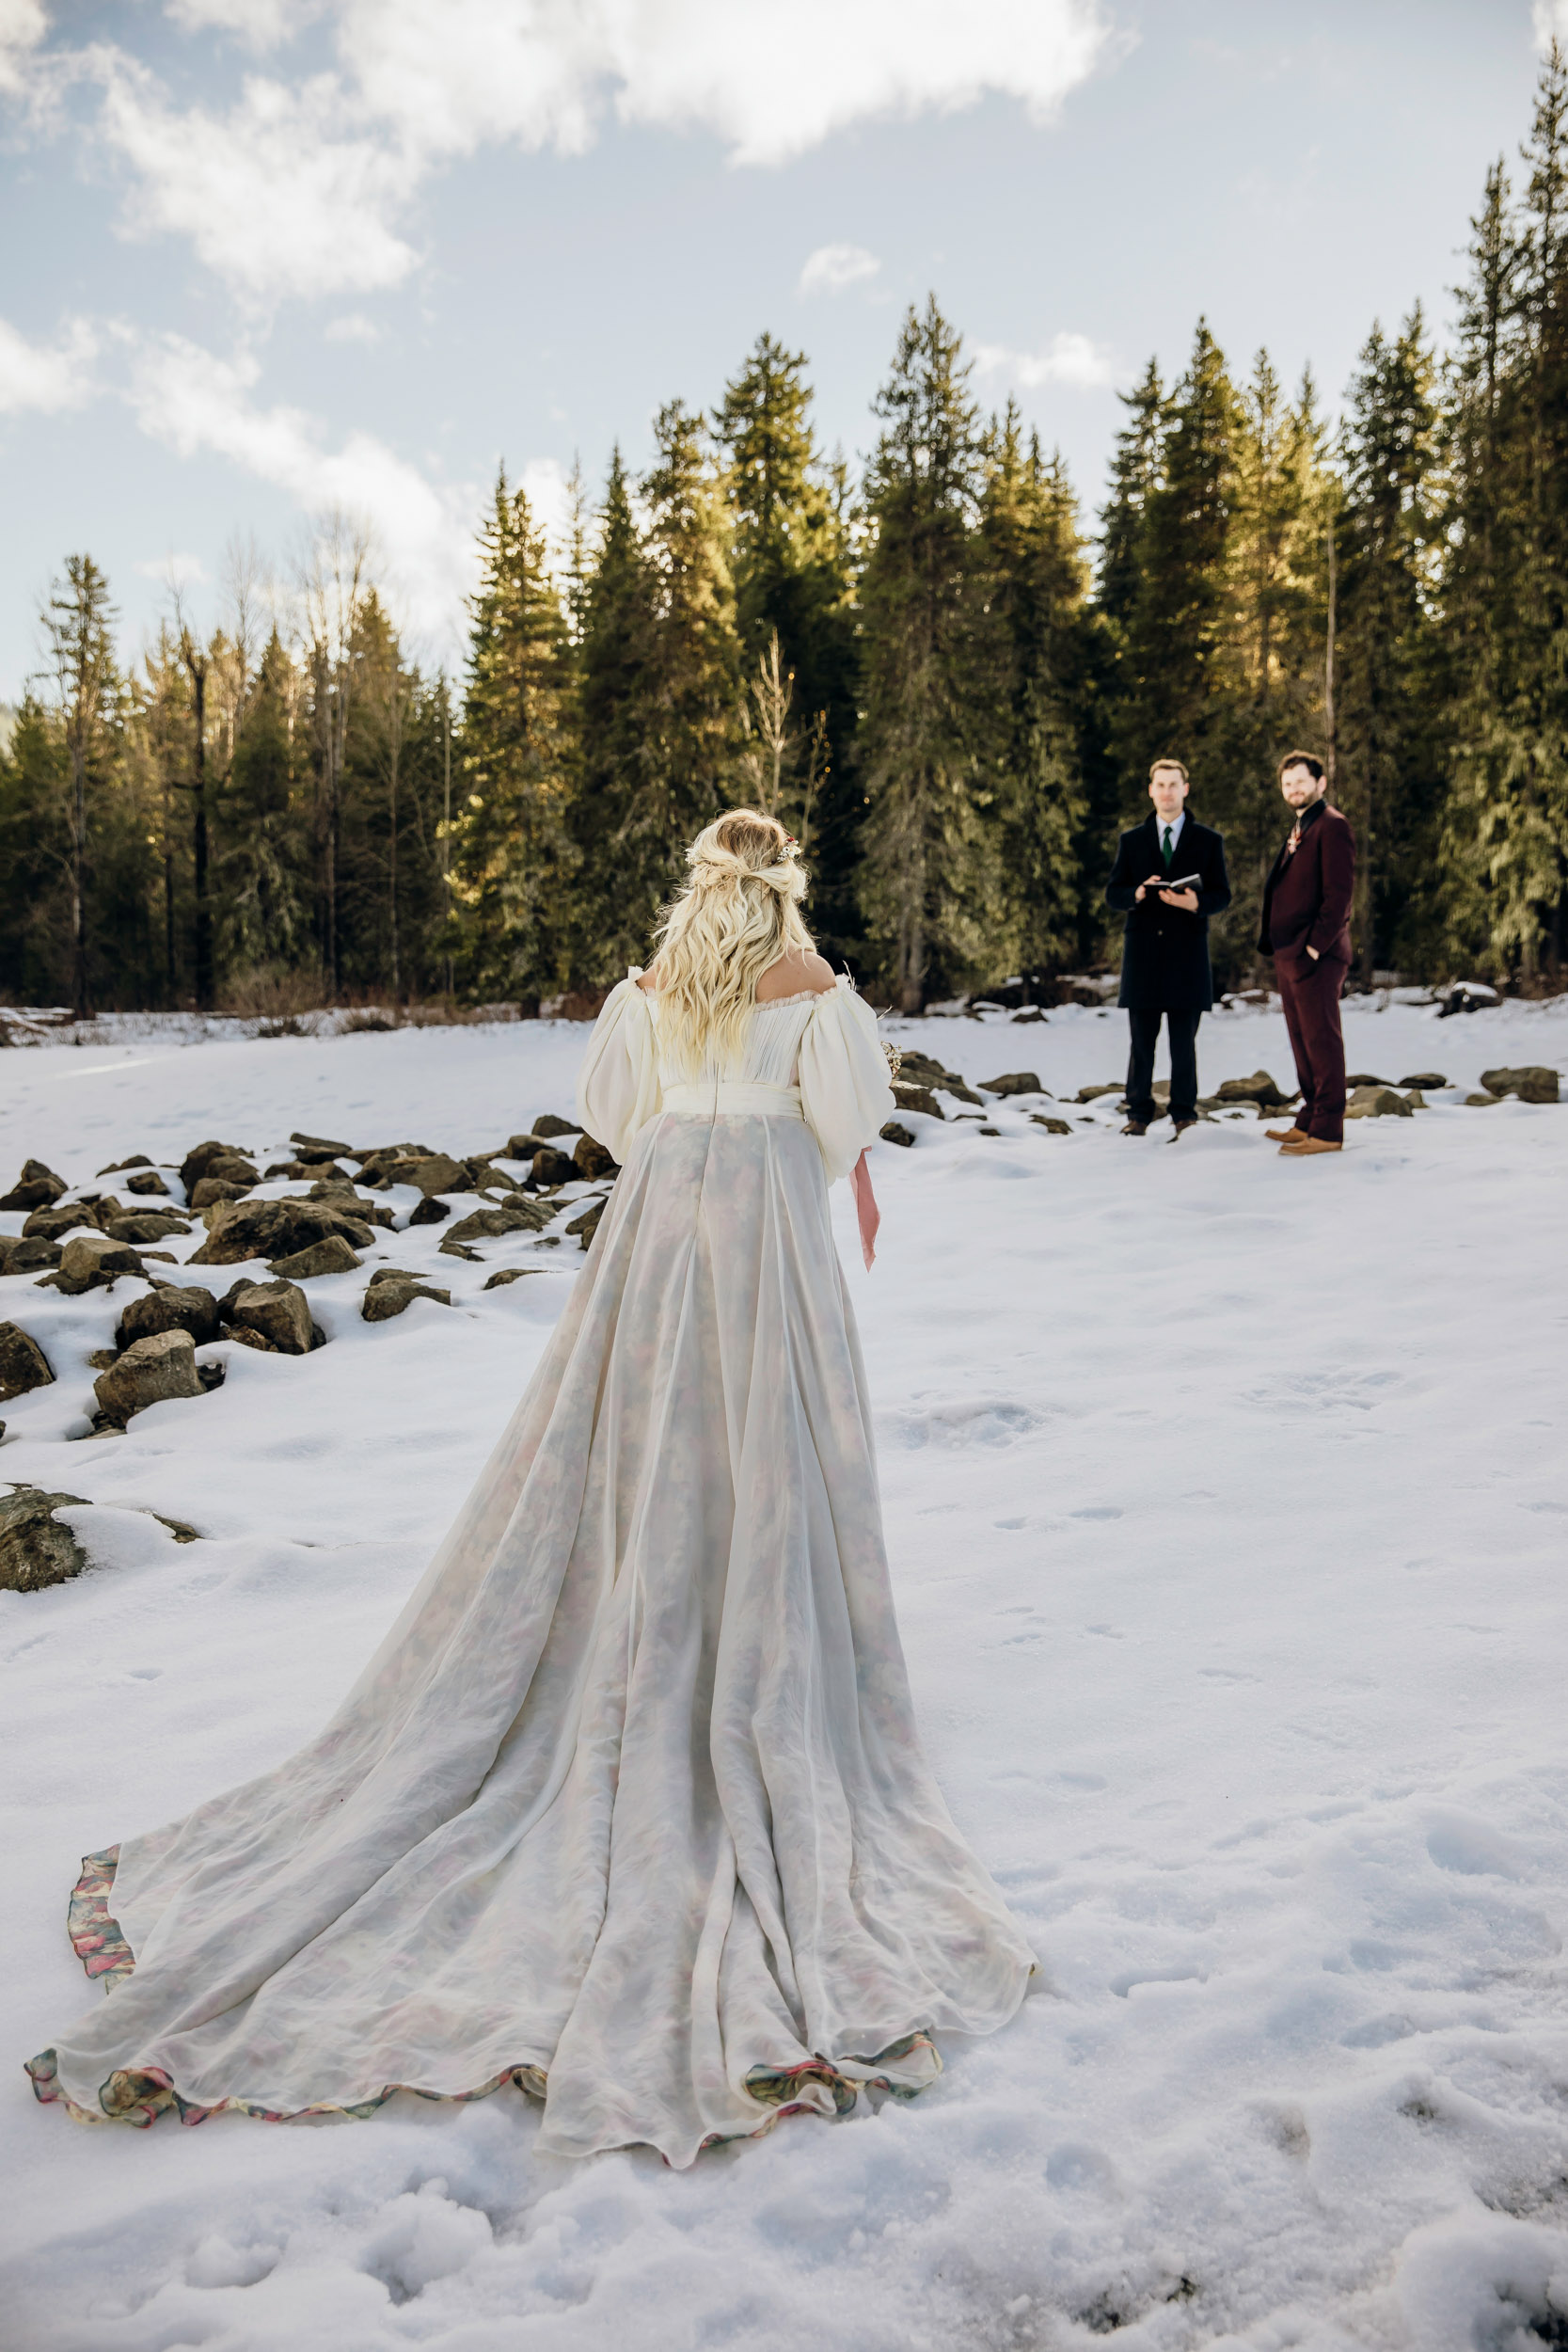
point(80, 1000)
point(334, 811)
point(912, 975)
point(170, 973)
point(334, 584)
point(446, 825)
point(1330, 723)
point(196, 667)
point(76, 621)
point(394, 749)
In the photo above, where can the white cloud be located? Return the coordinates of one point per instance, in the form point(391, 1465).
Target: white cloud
point(833, 267)
point(353, 327)
point(1550, 18)
point(260, 24)
point(443, 82)
point(46, 376)
point(1072, 360)
point(776, 77)
point(268, 195)
point(197, 402)
point(23, 26)
point(174, 571)
point(772, 78)
point(300, 187)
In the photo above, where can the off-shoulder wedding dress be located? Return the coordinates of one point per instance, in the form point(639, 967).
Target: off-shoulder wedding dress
point(629, 1807)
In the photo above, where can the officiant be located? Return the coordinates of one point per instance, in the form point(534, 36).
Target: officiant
point(1169, 879)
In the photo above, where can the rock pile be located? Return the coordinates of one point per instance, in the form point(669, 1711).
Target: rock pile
point(273, 1315)
point(34, 1188)
point(1467, 997)
point(392, 1291)
point(1373, 1100)
point(1259, 1090)
point(920, 1069)
point(34, 1550)
point(149, 1371)
point(1533, 1084)
point(26, 1257)
point(273, 1229)
point(23, 1365)
point(172, 1306)
point(330, 1255)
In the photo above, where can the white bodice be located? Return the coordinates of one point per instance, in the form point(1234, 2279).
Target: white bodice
point(825, 1043)
point(770, 1052)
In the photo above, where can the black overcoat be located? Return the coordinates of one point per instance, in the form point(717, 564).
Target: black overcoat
point(1165, 955)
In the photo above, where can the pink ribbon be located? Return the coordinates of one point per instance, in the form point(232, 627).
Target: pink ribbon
point(866, 1210)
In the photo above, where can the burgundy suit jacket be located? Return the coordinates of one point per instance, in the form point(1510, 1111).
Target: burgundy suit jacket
point(1306, 899)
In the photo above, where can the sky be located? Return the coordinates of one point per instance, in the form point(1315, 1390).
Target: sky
point(264, 259)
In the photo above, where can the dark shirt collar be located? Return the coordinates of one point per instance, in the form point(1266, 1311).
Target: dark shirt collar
point(1312, 811)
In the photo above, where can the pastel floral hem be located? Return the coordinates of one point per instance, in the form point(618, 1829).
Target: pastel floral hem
point(139, 2097)
point(96, 1937)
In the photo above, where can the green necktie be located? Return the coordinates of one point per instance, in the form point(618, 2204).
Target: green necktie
point(1168, 848)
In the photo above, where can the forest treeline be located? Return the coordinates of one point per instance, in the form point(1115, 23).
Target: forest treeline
point(947, 689)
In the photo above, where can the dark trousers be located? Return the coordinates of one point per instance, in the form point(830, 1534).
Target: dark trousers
point(1181, 1026)
point(1311, 994)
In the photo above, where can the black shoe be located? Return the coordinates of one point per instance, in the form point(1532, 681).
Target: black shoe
point(1137, 1127)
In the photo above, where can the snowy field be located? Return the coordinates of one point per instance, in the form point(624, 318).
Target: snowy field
point(1228, 1514)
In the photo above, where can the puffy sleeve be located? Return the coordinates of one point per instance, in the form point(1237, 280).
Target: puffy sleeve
point(843, 1078)
point(618, 1091)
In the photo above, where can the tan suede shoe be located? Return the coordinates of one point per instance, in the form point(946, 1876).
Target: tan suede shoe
point(1307, 1147)
point(1286, 1134)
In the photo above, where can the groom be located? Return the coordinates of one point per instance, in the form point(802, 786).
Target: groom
point(1306, 928)
point(1165, 957)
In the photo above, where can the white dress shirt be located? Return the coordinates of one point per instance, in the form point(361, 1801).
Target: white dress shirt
point(1176, 824)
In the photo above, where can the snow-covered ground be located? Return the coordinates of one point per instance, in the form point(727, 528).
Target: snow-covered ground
point(1228, 1514)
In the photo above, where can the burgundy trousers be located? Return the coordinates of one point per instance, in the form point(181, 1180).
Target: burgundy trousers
point(1311, 994)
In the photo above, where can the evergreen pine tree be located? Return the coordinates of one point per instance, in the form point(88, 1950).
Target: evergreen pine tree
point(1389, 770)
point(931, 884)
point(660, 692)
point(513, 857)
point(794, 583)
point(615, 905)
point(36, 940)
point(1284, 503)
point(1136, 465)
point(1036, 583)
point(161, 734)
point(266, 870)
point(78, 628)
point(1508, 824)
point(1539, 879)
point(1482, 524)
point(1176, 681)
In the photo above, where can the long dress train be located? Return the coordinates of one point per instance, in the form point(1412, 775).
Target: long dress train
point(629, 1807)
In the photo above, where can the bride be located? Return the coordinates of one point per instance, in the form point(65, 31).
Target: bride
point(629, 1808)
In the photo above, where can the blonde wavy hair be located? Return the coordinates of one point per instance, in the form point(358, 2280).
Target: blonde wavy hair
point(738, 913)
